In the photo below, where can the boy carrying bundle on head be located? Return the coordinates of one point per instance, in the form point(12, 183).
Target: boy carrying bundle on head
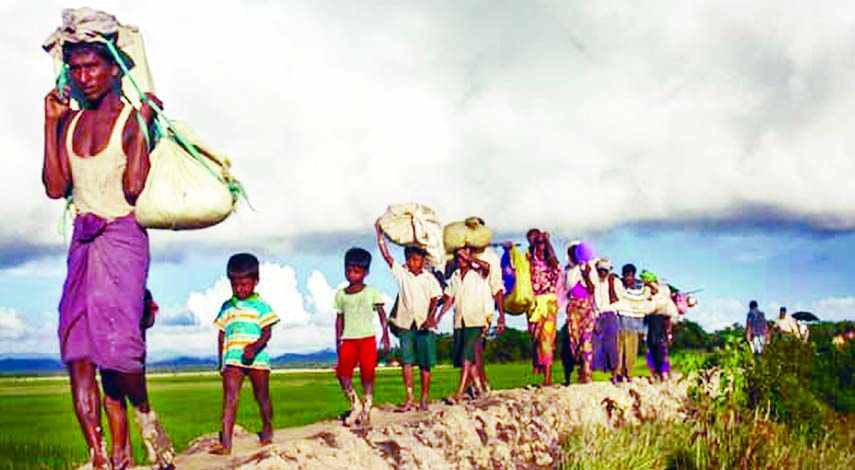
point(245, 322)
point(354, 334)
point(470, 291)
point(419, 292)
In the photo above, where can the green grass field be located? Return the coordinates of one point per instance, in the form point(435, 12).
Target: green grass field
point(38, 428)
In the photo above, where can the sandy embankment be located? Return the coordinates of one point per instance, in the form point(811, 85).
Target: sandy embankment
point(509, 429)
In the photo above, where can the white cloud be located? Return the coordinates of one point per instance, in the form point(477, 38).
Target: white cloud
point(831, 308)
point(20, 335)
point(330, 112)
point(321, 299)
point(48, 267)
point(306, 313)
point(11, 324)
point(718, 313)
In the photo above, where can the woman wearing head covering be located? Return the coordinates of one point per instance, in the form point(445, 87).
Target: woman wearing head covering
point(99, 155)
point(576, 290)
point(607, 289)
point(545, 274)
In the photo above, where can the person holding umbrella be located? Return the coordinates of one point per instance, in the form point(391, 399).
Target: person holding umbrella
point(786, 325)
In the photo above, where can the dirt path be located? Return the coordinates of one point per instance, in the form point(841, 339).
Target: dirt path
point(508, 429)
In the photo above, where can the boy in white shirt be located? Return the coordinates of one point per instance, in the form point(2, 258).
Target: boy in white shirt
point(471, 293)
point(418, 294)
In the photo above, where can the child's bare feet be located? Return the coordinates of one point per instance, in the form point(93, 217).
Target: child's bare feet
point(265, 437)
point(406, 406)
point(352, 417)
point(364, 417)
point(454, 399)
point(121, 462)
point(423, 406)
point(220, 449)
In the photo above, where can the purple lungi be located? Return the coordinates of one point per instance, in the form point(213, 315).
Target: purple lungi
point(103, 296)
point(606, 357)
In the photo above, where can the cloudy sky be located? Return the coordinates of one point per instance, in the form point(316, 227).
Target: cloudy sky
point(709, 142)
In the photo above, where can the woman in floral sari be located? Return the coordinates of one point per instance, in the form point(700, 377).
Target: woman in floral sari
point(545, 274)
point(576, 295)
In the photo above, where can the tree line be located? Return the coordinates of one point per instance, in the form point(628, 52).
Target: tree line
point(515, 345)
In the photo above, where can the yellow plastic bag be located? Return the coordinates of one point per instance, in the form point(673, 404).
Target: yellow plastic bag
point(470, 232)
point(184, 191)
point(520, 299)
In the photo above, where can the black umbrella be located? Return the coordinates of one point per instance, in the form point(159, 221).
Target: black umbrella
point(805, 316)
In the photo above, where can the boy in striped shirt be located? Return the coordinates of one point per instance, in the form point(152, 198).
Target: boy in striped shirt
point(244, 321)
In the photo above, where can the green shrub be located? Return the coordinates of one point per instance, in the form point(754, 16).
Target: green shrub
point(833, 376)
point(781, 381)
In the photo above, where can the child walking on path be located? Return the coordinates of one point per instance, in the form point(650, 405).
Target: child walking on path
point(354, 334)
point(419, 292)
point(471, 293)
point(245, 322)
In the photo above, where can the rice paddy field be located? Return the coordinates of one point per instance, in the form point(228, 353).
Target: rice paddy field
point(38, 428)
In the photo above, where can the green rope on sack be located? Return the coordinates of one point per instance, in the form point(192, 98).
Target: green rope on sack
point(62, 227)
point(171, 132)
point(62, 79)
point(62, 82)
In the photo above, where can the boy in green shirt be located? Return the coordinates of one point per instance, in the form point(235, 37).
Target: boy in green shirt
point(354, 334)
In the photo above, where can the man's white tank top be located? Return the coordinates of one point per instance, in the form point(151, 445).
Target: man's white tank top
point(97, 179)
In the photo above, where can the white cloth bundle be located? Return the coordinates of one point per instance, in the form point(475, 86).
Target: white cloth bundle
point(415, 224)
point(182, 191)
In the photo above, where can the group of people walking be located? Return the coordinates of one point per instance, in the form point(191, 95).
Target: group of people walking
point(605, 313)
point(605, 316)
point(100, 154)
point(758, 332)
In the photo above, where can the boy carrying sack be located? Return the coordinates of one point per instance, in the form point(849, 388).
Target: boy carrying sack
point(419, 292)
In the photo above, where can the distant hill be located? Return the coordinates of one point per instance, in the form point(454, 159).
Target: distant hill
point(30, 365)
point(50, 365)
point(325, 357)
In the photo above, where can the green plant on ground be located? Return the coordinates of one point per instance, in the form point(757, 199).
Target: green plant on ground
point(742, 411)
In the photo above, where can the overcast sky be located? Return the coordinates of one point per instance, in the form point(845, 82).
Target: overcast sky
point(710, 141)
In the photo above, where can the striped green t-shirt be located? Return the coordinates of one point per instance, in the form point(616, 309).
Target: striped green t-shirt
point(242, 322)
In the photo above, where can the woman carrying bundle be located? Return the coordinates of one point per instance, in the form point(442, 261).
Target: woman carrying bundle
point(100, 155)
point(576, 290)
point(545, 274)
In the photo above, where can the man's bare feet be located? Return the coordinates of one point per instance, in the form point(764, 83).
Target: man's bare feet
point(158, 446)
